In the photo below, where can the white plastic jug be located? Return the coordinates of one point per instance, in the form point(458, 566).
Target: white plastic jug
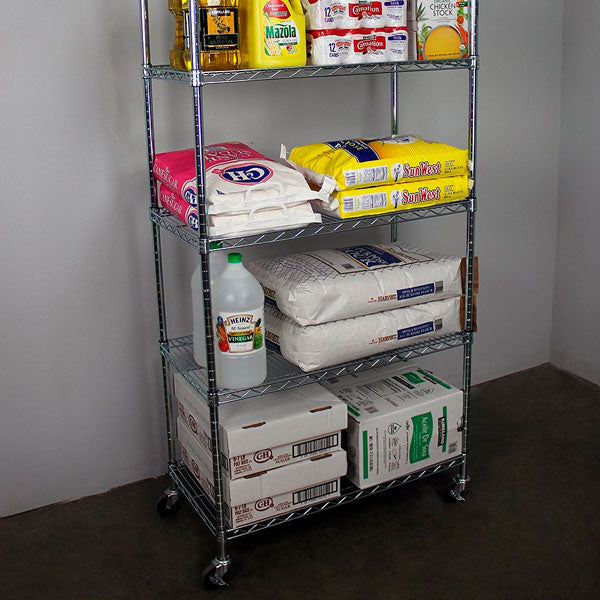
point(238, 303)
point(218, 261)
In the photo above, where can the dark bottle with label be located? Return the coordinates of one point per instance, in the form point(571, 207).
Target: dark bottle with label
point(218, 32)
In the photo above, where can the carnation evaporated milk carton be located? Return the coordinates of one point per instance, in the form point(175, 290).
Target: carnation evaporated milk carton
point(439, 28)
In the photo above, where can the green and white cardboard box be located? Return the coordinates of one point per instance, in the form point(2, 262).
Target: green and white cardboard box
point(400, 419)
point(269, 494)
point(269, 431)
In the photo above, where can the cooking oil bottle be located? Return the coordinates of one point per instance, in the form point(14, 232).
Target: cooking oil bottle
point(273, 34)
point(177, 53)
point(218, 33)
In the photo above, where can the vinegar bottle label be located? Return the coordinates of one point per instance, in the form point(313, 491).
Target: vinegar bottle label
point(240, 333)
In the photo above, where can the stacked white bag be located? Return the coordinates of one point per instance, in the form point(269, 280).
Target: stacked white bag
point(246, 192)
point(331, 306)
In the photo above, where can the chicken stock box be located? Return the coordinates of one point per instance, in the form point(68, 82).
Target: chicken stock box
point(269, 431)
point(401, 419)
point(270, 493)
point(441, 28)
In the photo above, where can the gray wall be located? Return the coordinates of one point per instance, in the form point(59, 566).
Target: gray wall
point(80, 404)
point(576, 318)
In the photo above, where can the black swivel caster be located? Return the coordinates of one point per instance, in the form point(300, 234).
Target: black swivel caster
point(213, 576)
point(168, 504)
point(452, 492)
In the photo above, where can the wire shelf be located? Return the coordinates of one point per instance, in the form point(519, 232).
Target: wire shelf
point(329, 225)
point(165, 72)
point(282, 374)
point(204, 506)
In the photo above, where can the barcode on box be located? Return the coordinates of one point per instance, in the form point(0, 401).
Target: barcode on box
point(312, 446)
point(318, 491)
point(452, 447)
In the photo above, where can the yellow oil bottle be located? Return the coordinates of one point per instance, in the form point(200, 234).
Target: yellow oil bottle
point(218, 35)
point(273, 34)
point(176, 54)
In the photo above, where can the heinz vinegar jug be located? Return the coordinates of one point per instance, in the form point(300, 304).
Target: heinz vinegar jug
point(238, 322)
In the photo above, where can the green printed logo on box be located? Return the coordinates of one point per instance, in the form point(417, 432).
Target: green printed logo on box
point(366, 454)
point(443, 429)
point(413, 377)
point(421, 437)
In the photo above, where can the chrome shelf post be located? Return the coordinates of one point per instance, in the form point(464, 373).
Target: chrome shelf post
point(156, 234)
point(212, 395)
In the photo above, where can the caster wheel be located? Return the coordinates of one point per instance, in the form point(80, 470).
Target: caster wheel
point(168, 505)
point(452, 492)
point(213, 580)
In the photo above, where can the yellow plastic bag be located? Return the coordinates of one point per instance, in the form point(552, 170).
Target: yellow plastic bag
point(391, 198)
point(361, 163)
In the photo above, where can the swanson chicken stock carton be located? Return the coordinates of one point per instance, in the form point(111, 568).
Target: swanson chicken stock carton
point(439, 28)
point(269, 431)
point(270, 493)
point(401, 419)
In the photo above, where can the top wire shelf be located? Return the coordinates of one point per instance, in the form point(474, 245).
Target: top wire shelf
point(167, 73)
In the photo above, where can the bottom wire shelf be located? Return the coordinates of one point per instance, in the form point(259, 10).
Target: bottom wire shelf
point(204, 506)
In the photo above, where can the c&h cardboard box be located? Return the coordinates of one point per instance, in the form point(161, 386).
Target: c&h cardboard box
point(270, 493)
point(268, 431)
point(400, 419)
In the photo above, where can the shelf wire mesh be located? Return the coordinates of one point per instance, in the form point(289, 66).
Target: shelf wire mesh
point(167, 73)
point(282, 374)
point(204, 506)
point(329, 225)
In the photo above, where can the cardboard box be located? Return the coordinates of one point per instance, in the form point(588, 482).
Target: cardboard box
point(401, 419)
point(441, 29)
point(269, 431)
point(271, 493)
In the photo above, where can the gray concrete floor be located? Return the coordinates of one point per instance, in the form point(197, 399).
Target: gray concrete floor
point(529, 529)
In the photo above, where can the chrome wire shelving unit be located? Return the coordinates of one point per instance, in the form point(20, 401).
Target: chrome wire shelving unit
point(176, 354)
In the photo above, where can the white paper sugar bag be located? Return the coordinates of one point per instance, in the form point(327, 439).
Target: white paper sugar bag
point(259, 221)
point(318, 346)
point(238, 179)
point(328, 285)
